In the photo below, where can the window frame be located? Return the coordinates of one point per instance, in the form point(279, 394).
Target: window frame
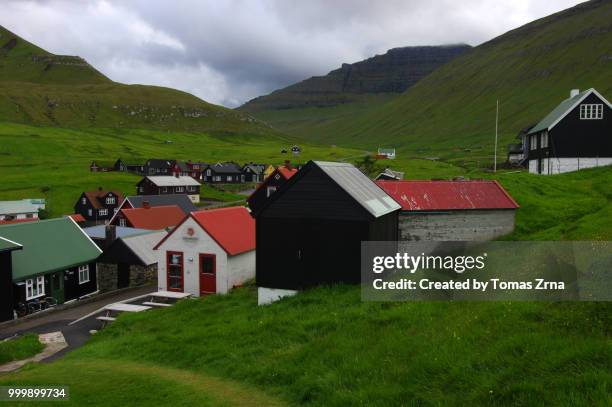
point(82, 270)
point(591, 111)
point(35, 289)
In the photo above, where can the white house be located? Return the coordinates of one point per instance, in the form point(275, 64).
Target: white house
point(23, 209)
point(387, 152)
point(209, 252)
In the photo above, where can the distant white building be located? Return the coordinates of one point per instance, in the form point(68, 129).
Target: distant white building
point(387, 152)
point(22, 209)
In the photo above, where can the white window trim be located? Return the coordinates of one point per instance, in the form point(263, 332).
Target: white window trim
point(83, 270)
point(40, 288)
point(591, 111)
point(110, 200)
point(179, 189)
point(270, 190)
point(103, 212)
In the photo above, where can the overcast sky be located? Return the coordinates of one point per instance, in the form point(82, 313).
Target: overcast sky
point(229, 51)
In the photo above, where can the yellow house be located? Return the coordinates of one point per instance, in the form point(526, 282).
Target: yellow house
point(269, 170)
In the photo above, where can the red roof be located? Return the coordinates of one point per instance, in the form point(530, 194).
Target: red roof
point(232, 228)
point(9, 222)
point(154, 218)
point(448, 195)
point(286, 172)
point(77, 217)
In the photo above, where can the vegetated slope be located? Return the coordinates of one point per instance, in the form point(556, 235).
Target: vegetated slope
point(37, 87)
point(530, 70)
point(392, 72)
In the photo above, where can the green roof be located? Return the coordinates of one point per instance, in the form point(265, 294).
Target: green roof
point(6, 244)
point(558, 112)
point(48, 246)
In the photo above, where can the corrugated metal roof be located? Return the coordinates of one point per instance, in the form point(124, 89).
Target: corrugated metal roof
point(448, 195)
point(142, 245)
point(48, 246)
point(99, 232)
point(172, 181)
point(17, 207)
point(360, 187)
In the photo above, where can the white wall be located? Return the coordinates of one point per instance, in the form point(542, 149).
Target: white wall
point(561, 165)
point(232, 270)
point(269, 295)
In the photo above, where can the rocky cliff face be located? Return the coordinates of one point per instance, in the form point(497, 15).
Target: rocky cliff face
point(393, 72)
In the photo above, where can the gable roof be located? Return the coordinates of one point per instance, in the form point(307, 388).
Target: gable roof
point(286, 172)
point(448, 195)
point(226, 168)
point(99, 231)
point(563, 109)
point(361, 188)
point(180, 200)
point(17, 207)
point(172, 181)
point(77, 217)
point(256, 168)
point(142, 245)
point(95, 197)
point(232, 228)
point(398, 175)
point(160, 163)
point(8, 245)
point(154, 218)
point(48, 246)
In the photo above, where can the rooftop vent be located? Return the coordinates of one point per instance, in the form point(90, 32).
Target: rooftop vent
point(574, 92)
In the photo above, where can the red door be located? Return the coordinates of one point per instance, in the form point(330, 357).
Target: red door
point(174, 271)
point(208, 274)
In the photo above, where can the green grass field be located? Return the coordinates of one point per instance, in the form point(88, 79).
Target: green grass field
point(20, 348)
point(326, 347)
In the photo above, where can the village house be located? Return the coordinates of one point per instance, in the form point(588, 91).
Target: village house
point(98, 206)
point(149, 218)
point(138, 201)
point(452, 210)
point(168, 185)
point(310, 231)
point(128, 261)
point(573, 136)
point(52, 262)
point(21, 210)
point(268, 171)
point(253, 172)
point(271, 184)
point(156, 166)
point(386, 153)
point(389, 174)
point(209, 252)
point(101, 236)
point(223, 173)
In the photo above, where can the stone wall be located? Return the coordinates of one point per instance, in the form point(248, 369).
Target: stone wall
point(107, 277)
point(139, 275)
point(468, 225)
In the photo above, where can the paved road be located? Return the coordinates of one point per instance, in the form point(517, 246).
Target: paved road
point(76, 335)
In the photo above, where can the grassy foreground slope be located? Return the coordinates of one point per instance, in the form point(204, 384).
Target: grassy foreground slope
point(326, 347)
point(37, 87)
point(530, 70)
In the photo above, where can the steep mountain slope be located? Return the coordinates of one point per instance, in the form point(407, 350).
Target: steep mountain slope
point(451, 112)
point(37, 87)
point(393, 72)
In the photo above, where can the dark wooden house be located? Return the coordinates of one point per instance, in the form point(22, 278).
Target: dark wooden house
point(253, 172)
point(7, 247)
point(56, 263)
point(157, 166)
point(98, 206)
point(574, 136)
point(168, 185)
point(310, 231)
point(271, 184)
point(223, 173)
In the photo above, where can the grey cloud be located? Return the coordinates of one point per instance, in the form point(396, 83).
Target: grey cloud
point(230, 51)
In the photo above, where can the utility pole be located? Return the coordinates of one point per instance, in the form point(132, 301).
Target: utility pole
point(496, 121)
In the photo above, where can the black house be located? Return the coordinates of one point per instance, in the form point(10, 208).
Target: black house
point(6, 277)
point(574, 136)
point(156, 166)
point(310, 231)
point(253, 172)
point(264, 191)
point(223, 173)
point(98, 206)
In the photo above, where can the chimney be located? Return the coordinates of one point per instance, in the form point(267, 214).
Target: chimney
point(574, 92)
point(288, 164)
point(146, 205)
point(110, 234)
point(176, 174)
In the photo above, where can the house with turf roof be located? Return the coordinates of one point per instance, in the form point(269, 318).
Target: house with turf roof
point(49, 258)
point(210, 252)
point(575, 135)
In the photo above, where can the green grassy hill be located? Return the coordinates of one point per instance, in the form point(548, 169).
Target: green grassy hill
point(451, 112)
point(37, 87)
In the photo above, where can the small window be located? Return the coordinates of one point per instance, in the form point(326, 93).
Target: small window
point(229, 178)
point(110, 200)
point(533, 142)
point(83, 200)
point(591, 112)
point(29, 215)
point(35, 288)
point(179, 189)
point(543, 140)
point(84, 274)
point(89, 212)
point(103, 212)
point(270, 191)
point(208, 172)
point(165, 189)
point(122, 222)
